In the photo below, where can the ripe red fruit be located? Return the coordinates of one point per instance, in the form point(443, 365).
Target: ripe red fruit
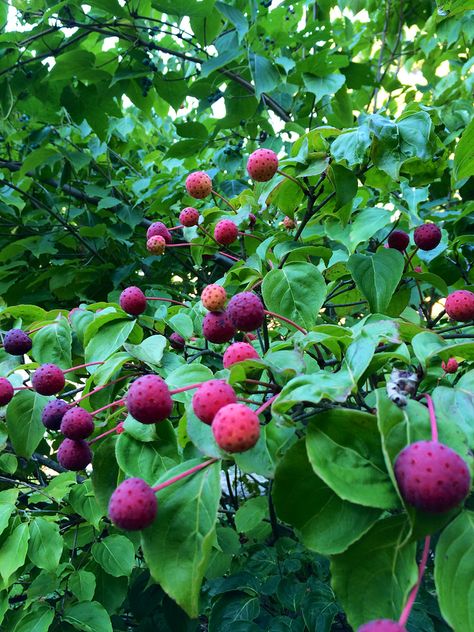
point(213, 297)
point(427, 237)
point(226, 232)
point(431, 476)
point(262, 165)
point(451, 366)
point(133, 301)
point(133, 505)
point(53, 412)
point(177, 341)
point(158, 228)
point(238, 352)
point(198, 185)
point(156, 245)
point(418, 269)
point(288, 223)
point(6, 391)
point(17, 342)
point(74, 455)
point(77, 423)
point(48, 379)
point(210, 397)
point(252, 220)
point(399, 240)
point(382, 625)
point(460, 306)
point(236, 428)
point(189, 216)
point(149, 400)
point(217, 327)
point(246, 311)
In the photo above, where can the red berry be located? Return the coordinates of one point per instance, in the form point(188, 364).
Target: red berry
point(217, 327)
point(189, 216)
point(460, 306)
point(226, 232)
point(6, 391)
point(53, 412)
point(418, 269)
point(17, 342)
point(431, 476)
point(177, 341)
point(133, 301)
point(246, 311)
point(288, 223)
point(133, 505)
point(236, 428)
point(427, 237)
point(252, 220)
point(262, 165)
point(213, 297)
point(451, 366)
point(156, 245)
point(48, 379)
point(158, 228)
point(210, 397)
point(382, 625)
point(399, 240)
point(149, 400)
point(74, 455)
point(238, 352)
point(77, 423)
point(198, 185)
point(249, 336)
point(119, 428)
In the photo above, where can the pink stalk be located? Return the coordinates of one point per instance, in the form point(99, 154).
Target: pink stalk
point(176, 227)
point(421, 569)
point(107, 433)
point(225, 200)
point(33, 331)
point(185, 388)
point(166, 300)
point(266, 404)
point(267, 384)
point(286, 175)
point(249, 235)
point(431, 410)
point(99, 388)
point(118, 402)
point(286, 320)
point(183, 475)
point(81, 366)
point(224, 254)
point(22, 388)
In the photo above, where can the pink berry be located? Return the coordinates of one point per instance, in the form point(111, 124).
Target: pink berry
point(189, 216)
point(6, 391)
point(198, 185)
point(77, 423)
point(156, 245)
point(48, 379)
point(210, 397)
point(246, 311)
point(236, 428)
point(238, 352)
point(431, 476)
point(418, 269)
point(460, 306)
point(427, 237)
point(252, 220)
point(17, 342)
point(213, 297)
point(149, 400)
point(133, 505)
point(159, 229)
point(249, 336)
point(399, 240)
point(53, 412)
point(74, 455)
point(226, 232)
point(217, 327)
point(177, 341)
point(451, 366)
point(262, 165)
point(288, 223)
point(382, 625)
point(133, 301)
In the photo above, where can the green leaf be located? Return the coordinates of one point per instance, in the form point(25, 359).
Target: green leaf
point(264, 74)
point(116, 555)
point(105, 473)
point(25, 428)
point(13, 551)
point(38, 620)
point(83, 502)
point(82, 585)
point(236, 17)
point(323, 86)
point(177, 546)
point(107, 340)
point(144, 460)
point(88, 616)
point(53, 344)
point(352, 146)
point(377, 276)
point(186, 375)
point(149, 351)
point(46, 545)
point(8, 499)
point(251, 514)
point(234, 612)
point(183, 324)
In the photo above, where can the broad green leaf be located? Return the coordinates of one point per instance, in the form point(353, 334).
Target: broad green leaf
point(116, 555)
point(88, 616)
point(352, 146)
point(107, 340)
point(38, 619)
point(53, 344)
point(8, 499)
point(264, 74)
point(236, 17)
point(13, 551)
point(82, 584)
point(83, 502)
point(149, 351)
point(251, 513)
point(464, 154)
point(25, 428)
point(46, 545)
point(105, 473)
point(323, 86)
point(144, 460)
point(185, 376)
point(235, 612)
point(183, 324)
point(428, 346)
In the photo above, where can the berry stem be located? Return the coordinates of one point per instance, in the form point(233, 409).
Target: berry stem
point(33, 331)
point(297, 182)
point(224, 254)
point(208, 234)
point(421, 570)
point(431, 410)
point(242, 234)
point(82, 366)
point(409, 258)
point(225, 200)
point(97, 389)
point(166, 300)
point(106, 433)
point(194, 469)
point(267, 384)
point(185, 388)
point(286, 320)
point(187, 243)
point(22, 388)
point(266, 404)
point(176, 227)
point(118, 402)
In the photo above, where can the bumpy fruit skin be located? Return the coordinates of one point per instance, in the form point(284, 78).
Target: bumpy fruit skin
point(238, 352)
point(451, 366)
point(149, 400)
point(6, 391)
point(246, 311)
point(177, 341)
point(382, 625)
point(262, 165)
point(74, 455)
point(133, 301)
point(48, 379)
point(77, 423)
point(427, 237)
point(288, 223)
point(217, 327)
point(53, 412)
point(133, 505)
point(198, 185)
point(226, 232)
point(156, 245)
point(158, 228)
point(460, 306)
point(236, 428)
point(17, 342)
point(189, 216)
point(213, 297)
point(398, 240)
point(431, 476)
point(210, 397)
